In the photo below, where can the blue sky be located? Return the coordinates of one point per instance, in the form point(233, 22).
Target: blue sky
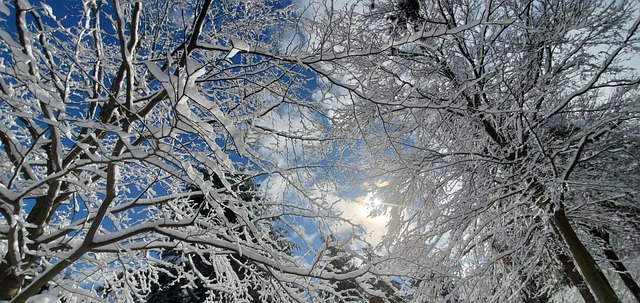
point(353, 201)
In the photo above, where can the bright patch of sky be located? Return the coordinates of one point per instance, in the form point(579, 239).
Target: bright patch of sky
point(287, 152)
point(359, 211)
point(315, 8)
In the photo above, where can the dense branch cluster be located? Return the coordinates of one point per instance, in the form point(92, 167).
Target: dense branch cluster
point(508, 132)
point(117, 120)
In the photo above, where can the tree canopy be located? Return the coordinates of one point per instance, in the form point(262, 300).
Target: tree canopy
point(507, 131)
point(224, 144)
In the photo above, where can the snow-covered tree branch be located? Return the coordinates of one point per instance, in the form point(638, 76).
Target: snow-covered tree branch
point(131, 128)
point(507, 131)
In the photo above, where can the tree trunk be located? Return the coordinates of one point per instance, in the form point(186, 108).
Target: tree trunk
point(617, 263)
point(575, 277)
point(592, 274)
point(10, 281)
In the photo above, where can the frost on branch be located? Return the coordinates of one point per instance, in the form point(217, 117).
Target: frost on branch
point(508, 132)
point(130, 154)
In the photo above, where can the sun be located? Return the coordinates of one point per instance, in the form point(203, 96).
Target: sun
point(359, 212)
point(367, 204)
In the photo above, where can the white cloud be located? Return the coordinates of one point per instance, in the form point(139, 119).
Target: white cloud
point(358, 212)
point(291, 42)
point(315, 8)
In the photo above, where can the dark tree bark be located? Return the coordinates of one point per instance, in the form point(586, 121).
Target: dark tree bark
point(616, 263)
point(591, 272)
point(575, 277)
point(11, 282)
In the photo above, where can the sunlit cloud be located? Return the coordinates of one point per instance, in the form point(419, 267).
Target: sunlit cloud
point(359, 212)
